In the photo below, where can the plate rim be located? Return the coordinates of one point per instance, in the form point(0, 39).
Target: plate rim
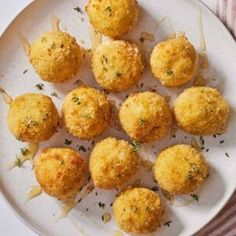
point(3, 195)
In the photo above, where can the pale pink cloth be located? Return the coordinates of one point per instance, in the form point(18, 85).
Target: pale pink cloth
point(226, 11)
point(225, 222)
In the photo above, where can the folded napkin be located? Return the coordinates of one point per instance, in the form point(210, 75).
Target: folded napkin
point(224, 224)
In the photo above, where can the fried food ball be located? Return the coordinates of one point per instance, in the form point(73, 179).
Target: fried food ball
point(117, 65)
point(174, 61)
point(180, 169)
point(145, 116)
point(32, 117)
point(112, 162)
point(56, 56)
point(86, 112)
point(59, 172)
point(111, 17)
point(138, 210)
point(201, 111)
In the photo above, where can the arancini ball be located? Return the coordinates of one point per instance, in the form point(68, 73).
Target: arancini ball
point(145, 116)
point(56, 56)
point(201, 111)
point(32, 117)
point(111, 17)
point(112, 162)
point(86, 112)
point(59, 172)
point(138, 210)
point(180, 169)
point(117, 65)
point(174, 61)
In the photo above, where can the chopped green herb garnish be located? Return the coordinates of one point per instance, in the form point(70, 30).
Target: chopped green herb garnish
point(87, 116)
point(77, 100)
point(29, 122)
point(53, 46)
point(39, 86)
point(45, 116)
point(101, 205)
point(25, 71)
point(82, 148)
point(167, 223)
point(24, 151)
point(109, 10)
point(136, 145)
point(142, 39)
point(18, 162)
point(196, 169)
point(104, 59)
point(195, 197)
point(155, 189)
point(118, 74)
point(54, 94)
point(68, 142)
point(142, 121)
point(202, 141)
point(78, 9)
point(169, 72)
point(189, 176)
point(43, 39)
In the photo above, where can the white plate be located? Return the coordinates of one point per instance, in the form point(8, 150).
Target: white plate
point(221, 50)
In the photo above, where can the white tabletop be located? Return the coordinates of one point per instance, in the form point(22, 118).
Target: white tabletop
point(9, 224)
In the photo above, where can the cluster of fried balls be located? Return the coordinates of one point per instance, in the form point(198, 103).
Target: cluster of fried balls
point(145, 116)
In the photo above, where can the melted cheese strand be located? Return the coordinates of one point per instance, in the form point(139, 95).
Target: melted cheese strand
point(55, 21)
point(32, 150)
point(65, 209)
point(35, 191)
point(6, 97)
point(26, 45)
point(171, 28)
point(202, 36)
point(96, 38)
